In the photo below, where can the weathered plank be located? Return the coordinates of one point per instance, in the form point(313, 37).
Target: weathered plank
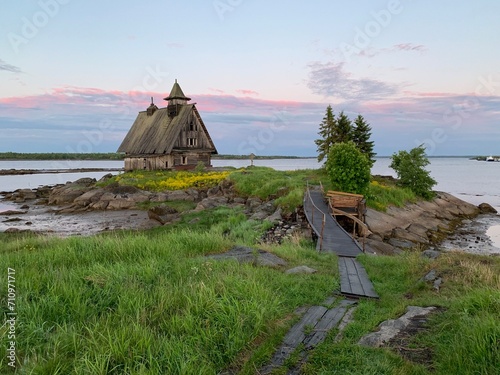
point(330, 320)
point(354, 280)
point(296, 335)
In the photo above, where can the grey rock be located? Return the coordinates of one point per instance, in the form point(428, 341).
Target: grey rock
point(12, 212)
point(179, 195)
point(259, 215)
point(275, 217)
point(253, 203)
point(390, 328)
point(402, 234)
point(163, 214)
point(300, 269)
point(211, 202)
point(258, 257)
point(106, 177)
point(486, 208)
point(214, 191)
point(402, 244)
point(432, 254)
point(437, 283)
point(431, 276)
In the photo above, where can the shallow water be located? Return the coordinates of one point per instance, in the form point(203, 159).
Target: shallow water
point(494, 233)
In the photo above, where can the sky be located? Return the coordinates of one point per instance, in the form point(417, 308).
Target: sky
point(74, 73)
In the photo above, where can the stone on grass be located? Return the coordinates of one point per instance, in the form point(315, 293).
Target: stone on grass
point(300, 269)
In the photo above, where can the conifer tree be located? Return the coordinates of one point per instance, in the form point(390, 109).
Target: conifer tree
point(327, 132)
point(361, 136)
point(343, 129)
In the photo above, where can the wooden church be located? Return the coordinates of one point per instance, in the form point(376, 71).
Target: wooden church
point(173, 137)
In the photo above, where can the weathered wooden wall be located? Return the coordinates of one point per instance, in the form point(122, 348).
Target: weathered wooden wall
point(177, 160)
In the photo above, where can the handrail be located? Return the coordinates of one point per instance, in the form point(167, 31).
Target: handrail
point(320, 235)
point(356, 221)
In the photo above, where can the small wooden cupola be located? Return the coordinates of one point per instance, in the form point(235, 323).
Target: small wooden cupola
point(175, 99)
point(152, 108)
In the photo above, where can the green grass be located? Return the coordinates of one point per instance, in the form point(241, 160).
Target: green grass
point(287, 187)
point(463, 339)
point(151, 303)
point(382, 194)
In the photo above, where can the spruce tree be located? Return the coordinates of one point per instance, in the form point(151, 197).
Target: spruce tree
point(326, 131)
point(343, 129)
point(361, 136)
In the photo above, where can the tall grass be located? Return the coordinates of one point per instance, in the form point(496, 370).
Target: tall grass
point(382, 195)
point(463, 339)
point(148, 303)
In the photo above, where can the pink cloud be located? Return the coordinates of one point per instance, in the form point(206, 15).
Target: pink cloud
point(217, 91)
point(247, 92)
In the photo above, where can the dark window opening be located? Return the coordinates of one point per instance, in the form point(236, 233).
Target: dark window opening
point(184, 160)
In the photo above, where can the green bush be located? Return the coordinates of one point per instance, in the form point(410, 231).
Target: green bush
point(348, 168)
point(410, 168)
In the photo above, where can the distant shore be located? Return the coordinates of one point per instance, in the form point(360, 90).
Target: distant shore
point(10, 172)
point(12, 156)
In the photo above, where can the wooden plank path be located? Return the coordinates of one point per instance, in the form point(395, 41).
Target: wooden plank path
point(332, 237)
point(310, 331)
point(354, 281)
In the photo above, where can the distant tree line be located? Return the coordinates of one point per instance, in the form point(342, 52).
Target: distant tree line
point(60, 156)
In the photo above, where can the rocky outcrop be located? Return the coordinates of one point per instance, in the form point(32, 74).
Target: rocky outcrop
point(391, 328)
point(416, 225)
point(486, 208)
point(67, 193)
point(163, 214)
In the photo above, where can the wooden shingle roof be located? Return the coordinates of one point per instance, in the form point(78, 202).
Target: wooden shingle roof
point(158, 133)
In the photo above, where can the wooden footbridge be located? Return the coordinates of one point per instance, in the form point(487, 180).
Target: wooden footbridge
point(321, 214)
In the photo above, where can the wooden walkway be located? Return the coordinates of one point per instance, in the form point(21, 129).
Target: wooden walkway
point(331, 236)
point(354, 281)
point(309, 332)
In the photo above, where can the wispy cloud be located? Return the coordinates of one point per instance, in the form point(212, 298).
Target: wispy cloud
point(9, 68)
point(247, 92)
point(60, 119)
point(411, 47)
point(174, 45)
point(331, 80)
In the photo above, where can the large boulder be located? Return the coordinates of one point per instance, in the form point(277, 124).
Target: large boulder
point(163, 214)
point(486, 208)
point(67, 193)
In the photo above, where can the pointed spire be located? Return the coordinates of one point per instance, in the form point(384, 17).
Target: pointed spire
point(176, 93)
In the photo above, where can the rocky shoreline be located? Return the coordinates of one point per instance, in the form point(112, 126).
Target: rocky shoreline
point(81, 208)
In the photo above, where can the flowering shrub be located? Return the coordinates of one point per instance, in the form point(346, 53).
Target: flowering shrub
point(160, 181)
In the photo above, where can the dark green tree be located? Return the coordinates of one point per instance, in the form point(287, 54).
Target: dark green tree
point(348, 168)
point(326, 131)
point(343, 129)
point(361, 137)
point(410, 168)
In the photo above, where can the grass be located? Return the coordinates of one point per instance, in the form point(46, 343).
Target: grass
point(150, 303)
point(286, 187)
point(463, 339)
point(383, 193)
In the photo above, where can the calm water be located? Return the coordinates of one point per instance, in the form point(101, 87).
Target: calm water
point(470, 180)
